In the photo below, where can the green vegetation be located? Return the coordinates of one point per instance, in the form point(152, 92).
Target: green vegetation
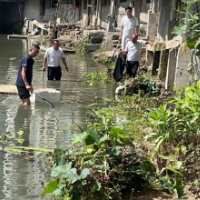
point(93, 77)
point(190, 25)
point(176, 136)
point(114, 150)
point(113, 156)
point(6, 138)
point(106, 166)
point(80, 46)
point(142, 31)
point(8, 143)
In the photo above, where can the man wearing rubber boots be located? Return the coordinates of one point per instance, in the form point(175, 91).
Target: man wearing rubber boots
point(25, 75)
point(52, 59)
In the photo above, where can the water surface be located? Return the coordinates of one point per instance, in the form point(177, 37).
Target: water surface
point(43, 127)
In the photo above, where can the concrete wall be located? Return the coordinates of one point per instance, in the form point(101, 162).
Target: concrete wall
point(94, 13)
point(182, 75)
point(11, 17)
point(32, 10)
point(69, 13)
point(104, 10)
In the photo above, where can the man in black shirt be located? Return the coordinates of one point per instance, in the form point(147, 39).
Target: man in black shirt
point(25, 75)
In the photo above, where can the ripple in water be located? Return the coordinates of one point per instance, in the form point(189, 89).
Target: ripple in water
point(43, 127)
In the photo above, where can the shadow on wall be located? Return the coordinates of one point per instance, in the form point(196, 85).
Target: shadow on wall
point(11, 28)
point(11, 17)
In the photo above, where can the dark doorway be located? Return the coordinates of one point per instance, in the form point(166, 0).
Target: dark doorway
point(156, 62)
point(11, 17)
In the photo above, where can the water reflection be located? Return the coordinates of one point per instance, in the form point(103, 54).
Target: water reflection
point(43, 127)
point(22, 123)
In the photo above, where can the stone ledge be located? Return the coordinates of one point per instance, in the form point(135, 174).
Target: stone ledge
point(47, 93)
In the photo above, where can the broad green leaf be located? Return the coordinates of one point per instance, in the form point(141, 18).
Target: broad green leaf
point(20, 133)
point(89, 162)
point(51, 187)
point(178, 30)
point(103, 139)
point(58, 152)
point(179, 187)
point(173, 170)
point(60, 169)
point(101, 167)
point(93, 136)
point(84, 173)
point(103, 120)
point(72, 175)
point(93, 133)
point(191, 42)
point(148, 167)
point(57, 192)
point(179, 164)
point(169, 158)
point(61, 159)
point(117, 132)
point(78, 138)
point(97, 186)
point(90, 149)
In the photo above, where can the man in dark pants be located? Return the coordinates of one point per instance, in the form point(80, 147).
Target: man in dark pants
point(52, 59)
point(133, 50)
point(25, 75)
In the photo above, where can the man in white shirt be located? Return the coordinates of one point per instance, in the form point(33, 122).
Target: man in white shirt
point(52, 58)
point(133, 50)
point(129, 26)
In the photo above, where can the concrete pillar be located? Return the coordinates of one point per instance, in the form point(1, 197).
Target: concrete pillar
point(110, 24)
point(163, 65)
point(182, 75)
point(97, 8)
point(163, 25)
point(171, 69)
point(172, 19)
point(99, 13)
point(152, 25)
point(137, 9)
point(154, 6)
point(173, 10)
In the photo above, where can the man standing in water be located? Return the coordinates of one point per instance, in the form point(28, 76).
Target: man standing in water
point(25, 75)
point(133, 49)
point(52, 59)
point(129, 26)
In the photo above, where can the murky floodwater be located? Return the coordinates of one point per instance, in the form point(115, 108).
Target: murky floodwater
point(43, 127)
